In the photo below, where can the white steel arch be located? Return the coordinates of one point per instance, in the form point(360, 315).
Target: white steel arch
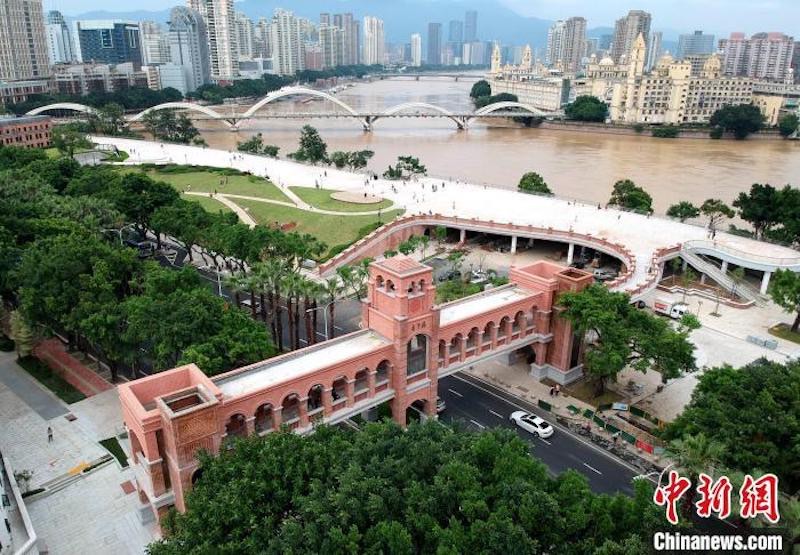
point(504, 105)
point(423, 106)
point(182, 106)
point(289, 91)
point(63, 106)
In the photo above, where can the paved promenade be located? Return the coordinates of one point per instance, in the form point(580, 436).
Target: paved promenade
point(640, 234)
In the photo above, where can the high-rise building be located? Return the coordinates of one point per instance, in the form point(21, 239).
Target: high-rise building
point(188, 47)
point(434, 44)
point(555, 42)
point(23, 43)
point(288, 55)
point(350, 38)
point(330, 42)
point(696, 43)
point(592, 46)
point(471, 26)
point(324, 19)
point(374, 43)
point(108, 42)
point(626, 30)
point(245, 36)
point(416, 50)
point(59, 39)
point(573, 44)
point(456, 33)
point(155, 46)
point(763, 56)
point(263, 42)
point(654, 49)
point(220, 20)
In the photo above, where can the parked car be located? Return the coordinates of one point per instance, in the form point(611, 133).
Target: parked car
point(532, 423)
point(601, 274)
point(449, 276)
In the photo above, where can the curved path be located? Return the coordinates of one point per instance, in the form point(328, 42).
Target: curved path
point(643, 236)
point(241, 212)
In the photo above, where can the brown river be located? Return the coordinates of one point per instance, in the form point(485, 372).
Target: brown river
point(574, 164)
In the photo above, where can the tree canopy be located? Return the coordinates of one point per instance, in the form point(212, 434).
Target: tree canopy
point(532, 182)
point(788, 124)
point(716, 211)
point(587, 108)
point(754, 413)
point(384, 490)
point(740, 119)
point(683, 211)
point(784, 288)
point(312, 148)
point(481, 88)
point(629, 196)
point(760, 207)
point(619, 335)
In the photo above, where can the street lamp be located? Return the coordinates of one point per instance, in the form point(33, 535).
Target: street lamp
point(324, 310)
point(120, 230)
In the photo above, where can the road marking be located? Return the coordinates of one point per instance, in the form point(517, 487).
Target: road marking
point(544, 440)
point(454, 392)
point(478, 424)
point(565, 430)
point(593, 469)
point(496, 414)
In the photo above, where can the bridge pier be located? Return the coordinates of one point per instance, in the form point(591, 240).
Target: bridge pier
point(367, 123)
point(765, 282)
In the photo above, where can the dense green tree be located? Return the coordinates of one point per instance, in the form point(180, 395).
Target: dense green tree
point(480, 88)
point(683, 211)
point(339, 158)
point(406, 167)
point(741, 119)
point(784, 288)
point(761, 207)
point(753, 412)
point(312, 148)
point(359, 159)
point(587, 108)
point(788, 124)
point(171, 127)
point(716, 211)
point(68, 138)
point(384, 490)
point(255, 145)
point(137, 196)
point(532, 182)
point(619, 335)
point(628, 196)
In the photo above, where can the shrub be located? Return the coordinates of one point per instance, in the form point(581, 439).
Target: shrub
point(666, 132)
point(716, 132)
point(638, 127)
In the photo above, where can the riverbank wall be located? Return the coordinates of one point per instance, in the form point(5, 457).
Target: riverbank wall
point(685, 133)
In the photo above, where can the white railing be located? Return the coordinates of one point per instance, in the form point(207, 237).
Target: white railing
point(696, 245)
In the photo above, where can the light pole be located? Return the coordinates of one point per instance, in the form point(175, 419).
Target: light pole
point(119, 231)
point(324, 310)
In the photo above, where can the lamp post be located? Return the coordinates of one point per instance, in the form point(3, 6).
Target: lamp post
point(119, 231)
point(324, 310)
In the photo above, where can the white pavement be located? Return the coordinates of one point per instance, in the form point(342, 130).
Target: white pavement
point(642, 235)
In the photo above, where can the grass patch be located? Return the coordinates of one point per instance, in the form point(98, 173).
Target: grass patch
point(52, 381)
point(456, 289)
point(207, 181)
point(333, 230)
point(209, 204)
point(119, 156)
point(784, 331)
point(112, 446)
point(321, 198)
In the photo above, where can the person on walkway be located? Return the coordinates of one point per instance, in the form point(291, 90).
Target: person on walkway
point(49, 434)
point(558, 390)
point(552, 391)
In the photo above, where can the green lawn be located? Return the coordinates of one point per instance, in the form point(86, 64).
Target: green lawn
point(51, 381)
point(112, 446)
point(209, 204)
point(333, 230)
point(321, 198)
point(784, 331)
point(208, 182)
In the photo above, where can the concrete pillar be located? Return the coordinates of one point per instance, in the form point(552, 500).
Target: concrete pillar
point(513, 244)
point(702, 279)
point(494, 336)
point(463, 236)
point(327, 400)
point(724, 266)
point(302, 409)
point(277, 417)
point(350, 389)
point(765, 282)
point(250, 425)
point(530, 242)
point(462, 349)
point(509, 329)
point(570, 253)
point(685, 265)
point(371, 382)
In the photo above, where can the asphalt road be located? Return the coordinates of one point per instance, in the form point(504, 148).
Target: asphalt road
point(480, 406)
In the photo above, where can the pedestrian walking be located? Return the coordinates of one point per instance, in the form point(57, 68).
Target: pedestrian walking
point(49, 434)
point(552, 391)
point(558, 390)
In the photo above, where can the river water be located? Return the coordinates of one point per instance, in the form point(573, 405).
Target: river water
point(574, 164)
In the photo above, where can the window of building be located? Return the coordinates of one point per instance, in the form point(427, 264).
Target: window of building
point(106, 38)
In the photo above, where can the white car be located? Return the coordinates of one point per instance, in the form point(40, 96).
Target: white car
point(532, 423)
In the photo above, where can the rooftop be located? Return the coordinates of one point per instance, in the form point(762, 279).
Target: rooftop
point(478, 304)
point(401, 264)
point(22, 120)
point(300, 363)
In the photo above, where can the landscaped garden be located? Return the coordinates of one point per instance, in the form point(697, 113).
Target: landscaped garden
point(321, 198)
point(52, 381)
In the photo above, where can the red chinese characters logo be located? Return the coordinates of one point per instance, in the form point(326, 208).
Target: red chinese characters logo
point(757, 497)
point(669, 494)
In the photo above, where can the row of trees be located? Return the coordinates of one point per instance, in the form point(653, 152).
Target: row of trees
point(134, 98)
point(172, 127)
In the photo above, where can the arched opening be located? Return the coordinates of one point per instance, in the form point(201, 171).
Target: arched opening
point(455, 345)
point(339, 392)
point(472, 340)
point(382, 372)
point(362, 381)
point(235, 427)
point(519, 322)
point(412, 288)
point(264, 420)
point(196, 475)
point(417, 354)
point(389, 286)
point(379, 282)
point(442, 352)
point(487, 333)
point(290, 409)
point(417, 411)
point(502, 327)
point(314, 401)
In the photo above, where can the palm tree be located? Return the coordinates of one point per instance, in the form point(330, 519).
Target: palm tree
point(252, 283)
point(290, 288)
point(235, 283)
point(272, 272)
point(309, 289)
point(695, 454)
point(331, 289)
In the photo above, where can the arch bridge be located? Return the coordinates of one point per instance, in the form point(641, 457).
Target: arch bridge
point(406, 344)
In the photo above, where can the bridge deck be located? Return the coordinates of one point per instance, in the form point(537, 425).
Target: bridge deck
point(479, 304)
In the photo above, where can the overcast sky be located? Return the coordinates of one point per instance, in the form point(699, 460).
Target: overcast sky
point(717, 16)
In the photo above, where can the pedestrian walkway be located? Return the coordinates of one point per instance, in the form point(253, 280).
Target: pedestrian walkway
point(27, 389)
